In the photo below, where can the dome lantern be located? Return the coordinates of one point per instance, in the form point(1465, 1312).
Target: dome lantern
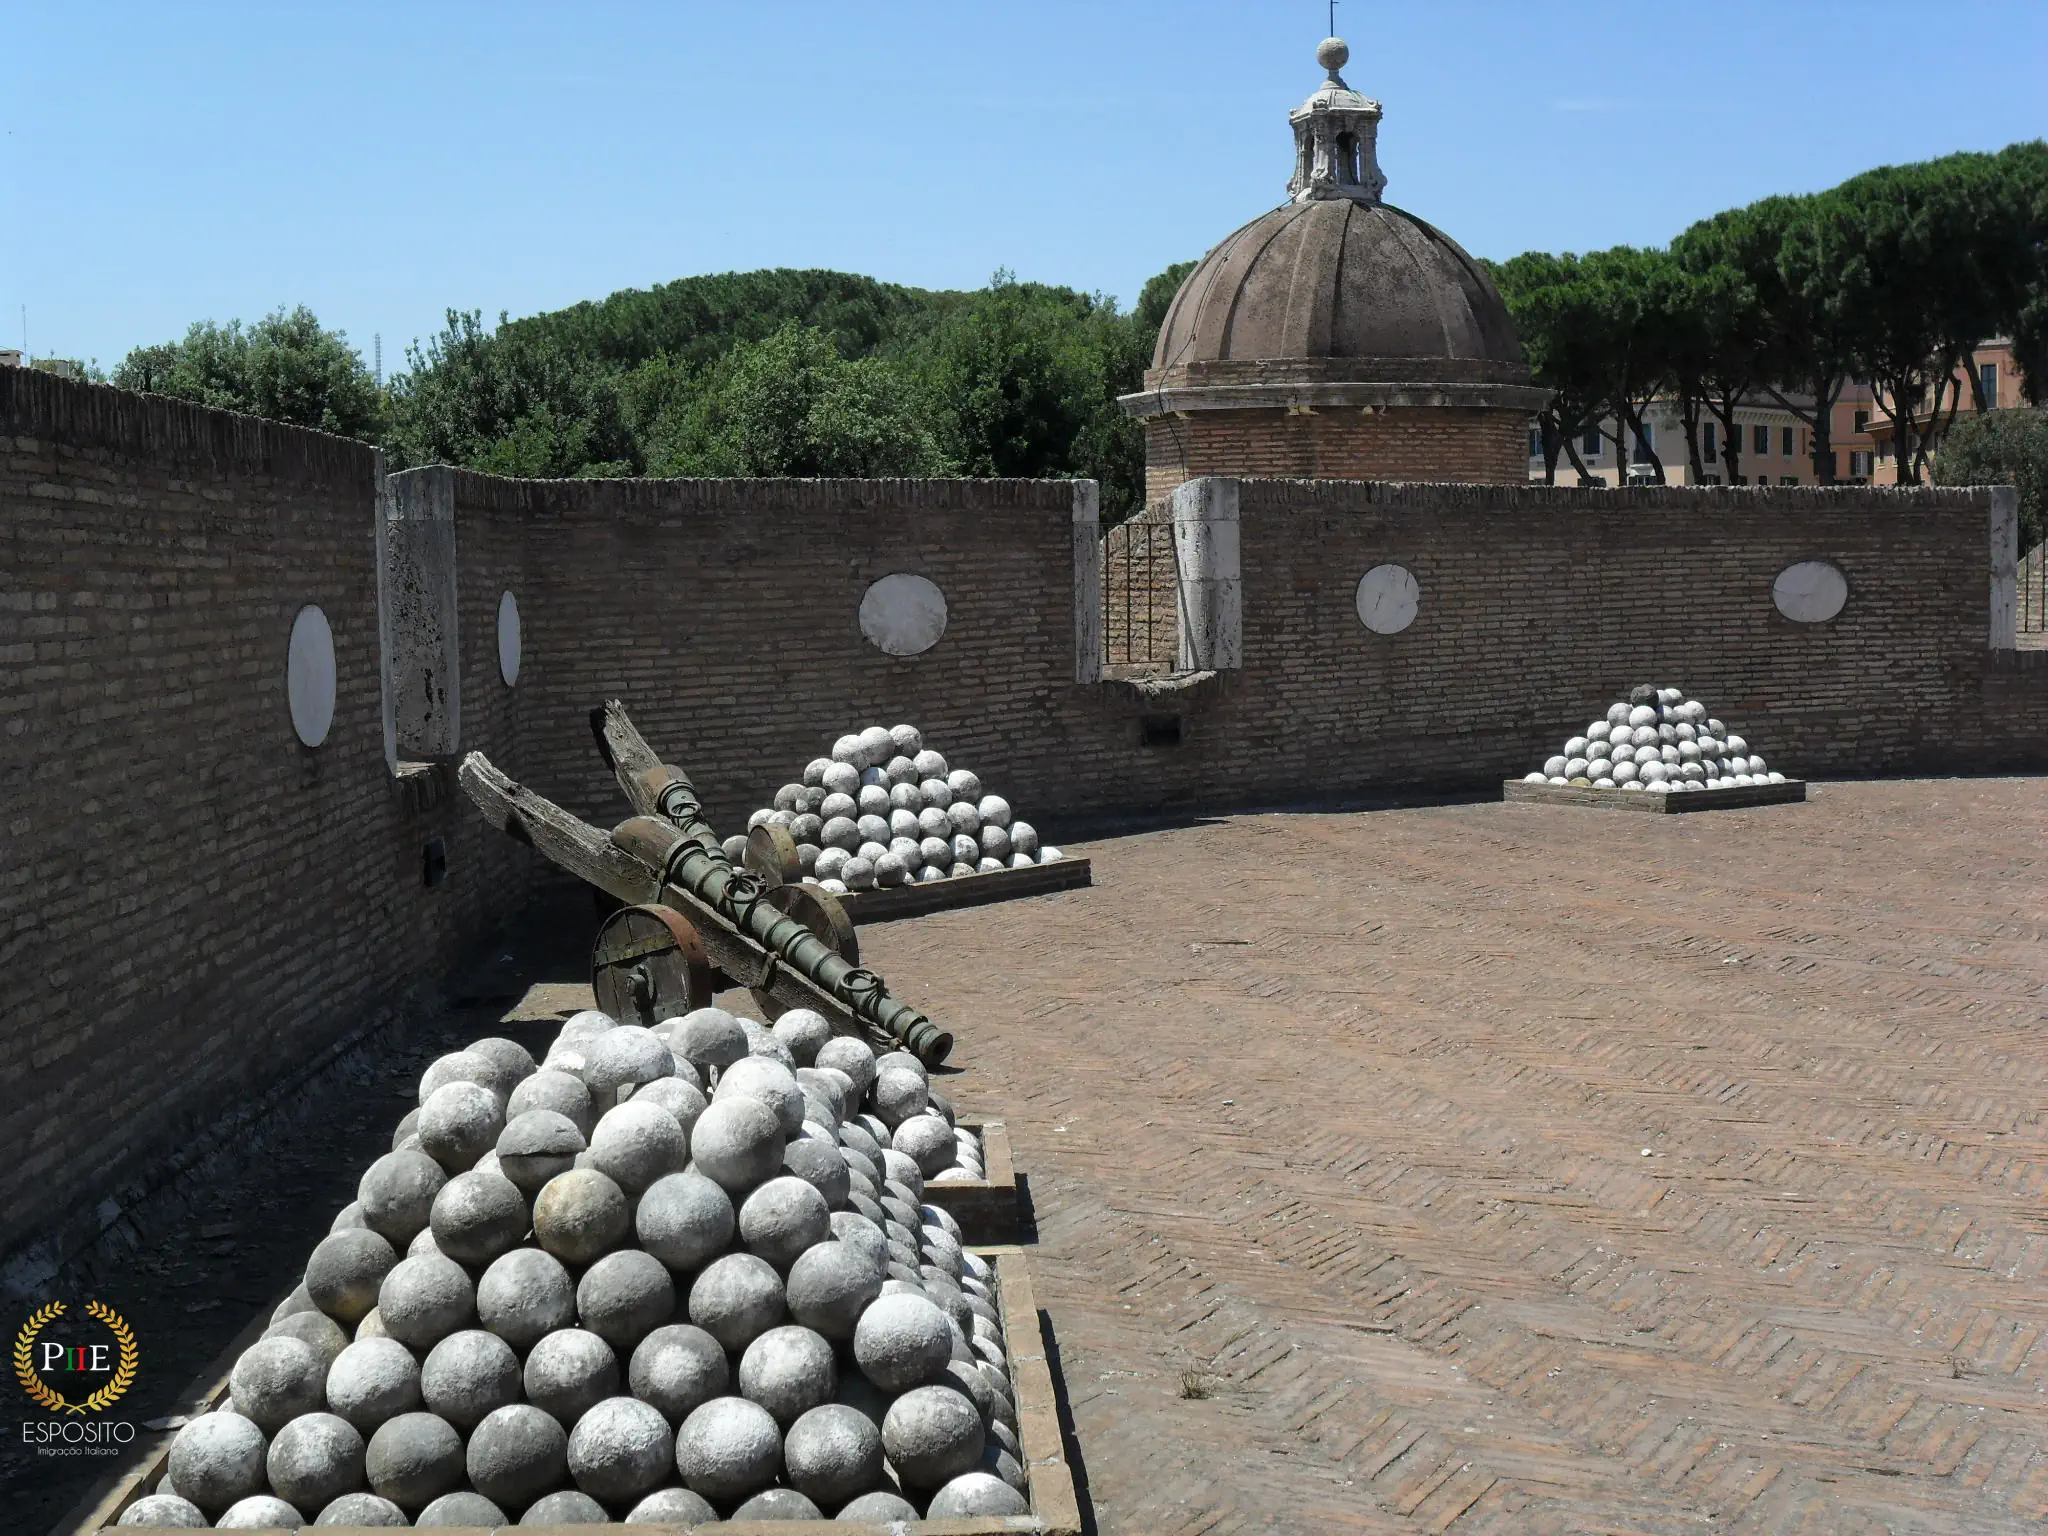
point(1336, 137)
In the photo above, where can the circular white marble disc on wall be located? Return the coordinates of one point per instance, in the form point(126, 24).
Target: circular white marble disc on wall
point(508, 639)
point(903, 615)
point(1387, 597)
point(1811, 592)
point(309, 675)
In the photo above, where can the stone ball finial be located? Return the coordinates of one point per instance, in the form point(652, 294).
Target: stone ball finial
point(1333, 53)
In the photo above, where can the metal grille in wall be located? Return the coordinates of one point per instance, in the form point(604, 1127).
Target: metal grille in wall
point(1140, 598)
point(2033, 594)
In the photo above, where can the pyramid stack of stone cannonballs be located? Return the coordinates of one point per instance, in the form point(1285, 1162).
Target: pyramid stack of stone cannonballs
point(1656, 740)
point(884, 809)
point(667, 1275)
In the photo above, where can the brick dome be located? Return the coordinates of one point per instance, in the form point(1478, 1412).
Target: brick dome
point(1339, 280)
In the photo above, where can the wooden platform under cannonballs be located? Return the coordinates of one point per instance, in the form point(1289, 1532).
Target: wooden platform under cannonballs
point(1055, 1500)
point(1520, 791)
point(985, 1208)
point(886, 904)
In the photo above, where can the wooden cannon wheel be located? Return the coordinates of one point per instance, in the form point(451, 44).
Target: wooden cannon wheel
point(819, 911)
point(648, 964)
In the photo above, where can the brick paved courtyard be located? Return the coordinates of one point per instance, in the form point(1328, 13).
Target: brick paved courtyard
point(1524, 1169)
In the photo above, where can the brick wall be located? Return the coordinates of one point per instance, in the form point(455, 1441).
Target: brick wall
point(725, 614)
point(1459, 445)
point(193, 906)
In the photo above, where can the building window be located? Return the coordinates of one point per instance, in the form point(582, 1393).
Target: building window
point(1707, 448)
point(1644, 439)
point(1788, 479)
point(1835, 464)
point(1988, 373)
point(1884, 452)
point(1710, 479)
point(1786, 439)
point(1760, 439)
point(1590, 444)
point(1535, 442)
point(1863, 421)
point(1859, 462)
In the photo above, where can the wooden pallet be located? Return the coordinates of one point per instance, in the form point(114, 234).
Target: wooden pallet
point(1055, 1501)
point(985, 1208)
point(1521, 792)
point(886, 904)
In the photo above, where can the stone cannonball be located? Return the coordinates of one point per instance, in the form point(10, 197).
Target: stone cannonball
point(878, 1508)
point(620, 1450)
point(832, 863)
point(413, 1459)
point(510, 1062)
point(405, 1129)
point(710, 1037)
point(965, 784)
point(737, 1142)
point(853, 1056)
point(165, 1509)
point(936, 852)
point(873, 800)
point(460, 1509)
point(839, 805)
point(770, 1083)
point(569, 1506)
point(870, 747)
point(865, 1237)
point(930, 764)
point(580, 1215)
point(789, 797)
point(782, 1218)
point(273, 1382)
point(537, 1145)
point(459, 1123)
point(901, 773)
point(778, 1504)
point(552, 1088)
point(898, 1095)
point(903, 823)
point(585, 1024)
point(457, 1067)
point(989, 866)
point(907, 739)
point(525, 1295)
point(965, 820)
point(859, 873)
point(314, 1328)
point(217, 1459)
point(678, 1368)
point(832, 1086)
point(622, 1057)
point(371, 1381)
point(516, 1454)
point(685, 1220)
point(833, 1453)
point(314, 1460)
point(904, 800)
point(933, 822)
point(902, 1342)
point(1024, 839)
point(803, 1030)
point(736, 1299)
point(937, 796)
point(345, 1270)
point(901, 1169)
point(821, 1165)
point(728, 1449)
point(467, 1375)
point(396, 1194)
point(261, 1512)
point(477, 1216)
point(844, 752)
point(962, 867)
point(976, 1494)
point(625, 1296)
point(931, 1436)
point(788, 1371)
point(638, 1143)
point(994, 811)
point(568, 1371)
point(761, 1042)
point(363, 1509)
point(671, 1506)
point(927, 1140)
point(840, 832)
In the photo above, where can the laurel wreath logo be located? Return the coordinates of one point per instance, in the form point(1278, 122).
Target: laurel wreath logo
point(41, 1393)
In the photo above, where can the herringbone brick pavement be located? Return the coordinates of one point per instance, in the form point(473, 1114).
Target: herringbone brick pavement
point(1521, 1169)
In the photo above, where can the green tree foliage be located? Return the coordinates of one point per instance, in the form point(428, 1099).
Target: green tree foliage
point(2001, 448)
point(1893, 277)
point(284, 367)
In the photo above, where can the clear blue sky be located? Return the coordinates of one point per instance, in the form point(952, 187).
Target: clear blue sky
point(170, 162)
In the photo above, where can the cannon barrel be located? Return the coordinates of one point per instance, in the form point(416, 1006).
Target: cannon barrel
point(681, 845)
